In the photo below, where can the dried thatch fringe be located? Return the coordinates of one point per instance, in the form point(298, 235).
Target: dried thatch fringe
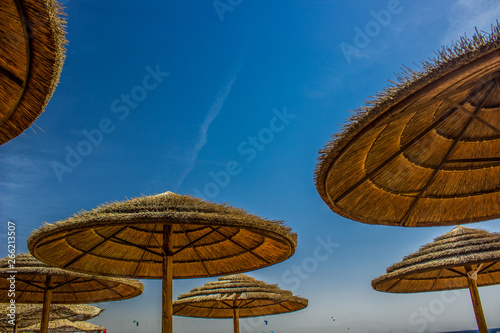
point(31, 314)
point(213, 239)
point(64, 325)
point(46, 39)
point(171, 207)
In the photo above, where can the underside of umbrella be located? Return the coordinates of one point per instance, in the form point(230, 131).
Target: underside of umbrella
point(462, 258)
point(426, 152)
point(31, 314)
point(237, 296)
point(31, 59)
point(163, 236)
point(36, 282)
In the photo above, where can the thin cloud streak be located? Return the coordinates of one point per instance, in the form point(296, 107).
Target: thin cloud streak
point(213, 112)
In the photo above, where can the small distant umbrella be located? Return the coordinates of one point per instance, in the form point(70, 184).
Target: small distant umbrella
point(64, 325)
point(36, 282)
point(426, 151)
point(237, 296)
point(31, 59)
point(31, 314)
point(461, 258)
point(163, 236)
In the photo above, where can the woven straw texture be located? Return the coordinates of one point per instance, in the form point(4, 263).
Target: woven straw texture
point(64, 325)
point(67, 287)
point(125, 239)
point(31, 59)
point(426, 151)
point(31, 314)
point(251, 297)
point(444, 263)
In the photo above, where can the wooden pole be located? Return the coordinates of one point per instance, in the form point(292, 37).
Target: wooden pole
point(236, 317)
point(47, 298)
point(15, 327)
point(476, 302)
point(167, 275)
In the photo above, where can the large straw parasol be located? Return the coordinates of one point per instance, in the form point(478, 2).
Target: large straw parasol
point(31, 59)
point(31, 314)
point(36, 282)
point(237, 296)
point(426, 151)
point(163, 236)
point(461, 258)
point(64, 325)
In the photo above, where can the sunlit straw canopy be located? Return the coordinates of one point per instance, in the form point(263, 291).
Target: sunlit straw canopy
point(64, 325)
point(31, 314)
point(164, 236)
point(442, 264)
point(462, 258)
point(67, 287)
point(126, 239)
point(426, 151)
point(31, 59)
point(251, 297)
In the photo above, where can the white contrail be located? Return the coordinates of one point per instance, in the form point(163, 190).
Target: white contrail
point(213, 112)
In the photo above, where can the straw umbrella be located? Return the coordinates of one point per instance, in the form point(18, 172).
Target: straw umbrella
point(237, 296)
point(461, 258)
point(426, 151)
point(30, 314)
point(64, 325)
point(36, 282)
point(163, 236)
point(31, 59)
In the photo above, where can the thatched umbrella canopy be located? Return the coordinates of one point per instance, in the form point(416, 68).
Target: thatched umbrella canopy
point(31, 59)
point(461, 258)
point(36, 282)
point(426, 151)
point(64, 325)
point(163, 236)
point(31, 314)
point(237, 296)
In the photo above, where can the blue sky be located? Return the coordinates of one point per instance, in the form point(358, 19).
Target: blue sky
point(170, 95)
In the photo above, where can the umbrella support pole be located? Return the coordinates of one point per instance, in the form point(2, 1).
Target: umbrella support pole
point(15, 327)
point(476, 303)
point(167, 275)
point(236, 318)
point(47, 298)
